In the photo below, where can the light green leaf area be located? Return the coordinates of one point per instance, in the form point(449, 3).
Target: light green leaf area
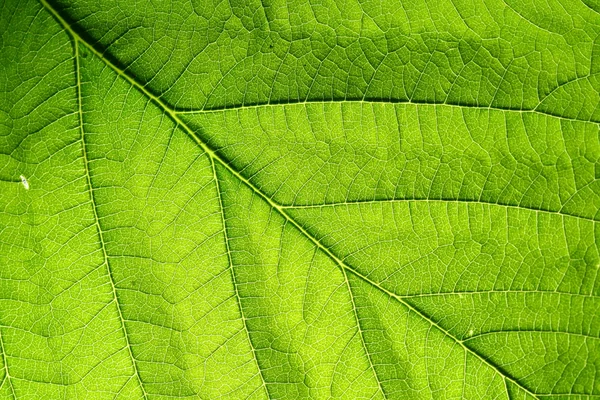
point(303, 199)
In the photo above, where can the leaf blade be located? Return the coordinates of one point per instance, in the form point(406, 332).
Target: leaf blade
point(156, 171)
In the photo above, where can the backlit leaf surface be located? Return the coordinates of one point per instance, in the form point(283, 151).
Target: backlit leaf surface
point(302, 199)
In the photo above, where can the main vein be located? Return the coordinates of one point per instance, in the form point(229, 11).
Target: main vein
point(215, 157)
point(97, 220)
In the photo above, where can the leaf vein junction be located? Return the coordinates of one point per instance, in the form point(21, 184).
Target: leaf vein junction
point(234, 280)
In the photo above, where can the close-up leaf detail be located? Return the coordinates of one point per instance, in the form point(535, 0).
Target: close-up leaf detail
point(300, 199)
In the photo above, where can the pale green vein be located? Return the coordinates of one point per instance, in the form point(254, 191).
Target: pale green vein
point(540, 331)
point(216, 157)
point(234, 280)
point(443, 201)
point(361, 334)
point(503, 381)
point(7, 377)
point(97, 221)
point(500, 291)
point(381, 101)
point(562, 396)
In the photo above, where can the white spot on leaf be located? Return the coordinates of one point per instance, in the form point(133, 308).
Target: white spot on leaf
point(24, 182)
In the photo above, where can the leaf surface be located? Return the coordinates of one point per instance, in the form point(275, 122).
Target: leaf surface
point(305, 199)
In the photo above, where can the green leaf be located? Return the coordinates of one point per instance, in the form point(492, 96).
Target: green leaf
point(299, 199)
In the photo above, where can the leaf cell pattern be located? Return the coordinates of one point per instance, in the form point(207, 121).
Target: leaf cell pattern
point(304, 199)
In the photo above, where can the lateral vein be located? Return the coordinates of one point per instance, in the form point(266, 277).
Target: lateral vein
point(445, 201)
point(97, 221)
point(361, 334)
point(233, 277)
point(381, 101)
point(7, 377)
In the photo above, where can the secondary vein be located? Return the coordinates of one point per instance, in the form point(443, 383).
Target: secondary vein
point(233, 277)
point(379, 101)
point(361, 334)
point(6, 373)
point(97, 220)
point(466, 201)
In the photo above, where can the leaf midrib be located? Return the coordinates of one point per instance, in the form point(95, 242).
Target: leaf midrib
point(214, 156)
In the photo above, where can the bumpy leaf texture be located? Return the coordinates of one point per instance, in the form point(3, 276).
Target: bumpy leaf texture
point(303, 199)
